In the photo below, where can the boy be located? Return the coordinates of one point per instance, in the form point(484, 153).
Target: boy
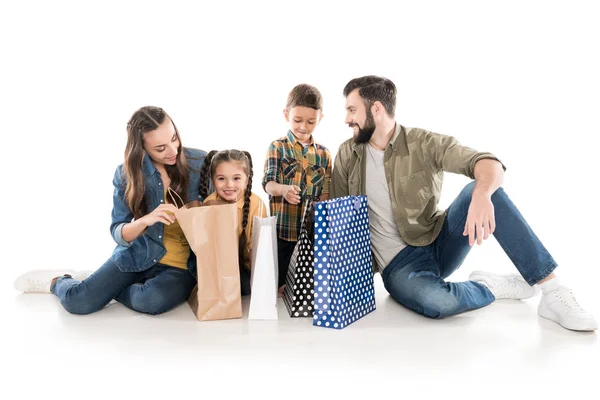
point(296, 167)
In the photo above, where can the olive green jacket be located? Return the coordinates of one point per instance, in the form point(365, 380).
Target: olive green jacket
point(414, 162)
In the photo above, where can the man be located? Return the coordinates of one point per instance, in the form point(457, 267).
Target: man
point(415, 245)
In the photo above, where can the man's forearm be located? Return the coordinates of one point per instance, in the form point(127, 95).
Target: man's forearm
point(489, 176)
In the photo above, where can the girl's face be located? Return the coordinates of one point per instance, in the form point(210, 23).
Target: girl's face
point(230, 180)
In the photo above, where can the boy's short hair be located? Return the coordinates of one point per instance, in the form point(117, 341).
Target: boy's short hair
point(305, 96)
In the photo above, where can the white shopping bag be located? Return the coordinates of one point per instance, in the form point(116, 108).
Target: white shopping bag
point(265, 272)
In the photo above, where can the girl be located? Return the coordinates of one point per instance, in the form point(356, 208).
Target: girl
point(152, 268)
point(231, 176)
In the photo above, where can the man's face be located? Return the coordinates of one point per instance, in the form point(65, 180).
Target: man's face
point(359, 118)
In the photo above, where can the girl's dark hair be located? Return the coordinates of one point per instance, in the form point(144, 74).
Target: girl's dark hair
point(207, 174)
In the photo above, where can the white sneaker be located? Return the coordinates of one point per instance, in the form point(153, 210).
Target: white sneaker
point(511, 286)
point(39, 281)
point(560, 306)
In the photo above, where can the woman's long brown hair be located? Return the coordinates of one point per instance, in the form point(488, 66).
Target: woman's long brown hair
point(144, 120)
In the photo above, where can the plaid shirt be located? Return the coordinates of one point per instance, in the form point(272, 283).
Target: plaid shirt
point(288, 162)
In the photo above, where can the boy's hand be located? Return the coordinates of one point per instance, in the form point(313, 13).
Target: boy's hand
point(291, 193)
point(280, 291)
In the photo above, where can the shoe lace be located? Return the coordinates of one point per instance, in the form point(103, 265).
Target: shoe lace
point(508, 288)
point(568, 299)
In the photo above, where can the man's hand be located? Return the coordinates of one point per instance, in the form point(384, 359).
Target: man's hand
point(480, 219)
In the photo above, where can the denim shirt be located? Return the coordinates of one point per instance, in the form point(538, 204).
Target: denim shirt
point(147, 250)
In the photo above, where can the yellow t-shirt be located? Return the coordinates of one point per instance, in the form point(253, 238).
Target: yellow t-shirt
point(178, 249)
point(257, 208)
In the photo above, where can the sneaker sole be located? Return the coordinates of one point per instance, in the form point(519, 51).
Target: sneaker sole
point(21, 284)
point(548, 314)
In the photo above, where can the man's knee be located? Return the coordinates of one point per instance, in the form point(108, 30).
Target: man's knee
point(420, 294)
point(439, 306)
point(468, 189)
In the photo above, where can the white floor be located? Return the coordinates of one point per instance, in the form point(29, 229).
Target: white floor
point(504, 350)
point(517, 78)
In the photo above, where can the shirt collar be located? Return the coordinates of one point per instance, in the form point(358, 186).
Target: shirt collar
point(397, 142)
point(148, 167)
point(292, 139)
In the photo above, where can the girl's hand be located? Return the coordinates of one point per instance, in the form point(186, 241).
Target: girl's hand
point(164, 213)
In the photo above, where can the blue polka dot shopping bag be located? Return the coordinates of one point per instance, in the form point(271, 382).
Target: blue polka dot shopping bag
point(343, 265)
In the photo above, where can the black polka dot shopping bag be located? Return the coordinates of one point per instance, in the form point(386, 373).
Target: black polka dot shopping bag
point(343, 265)
point(299, 288)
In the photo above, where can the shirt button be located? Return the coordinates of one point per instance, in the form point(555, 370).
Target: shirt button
point(159, 183)
point(160, 236)
point(154, 260)
point(161, 201)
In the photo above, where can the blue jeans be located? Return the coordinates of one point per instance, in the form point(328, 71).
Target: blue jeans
point(415, 277)
point(153, 291)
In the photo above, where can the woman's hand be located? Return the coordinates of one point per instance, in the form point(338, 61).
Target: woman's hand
point(164, 213)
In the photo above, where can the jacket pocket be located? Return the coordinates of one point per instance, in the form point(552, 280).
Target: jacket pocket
point(416, 188)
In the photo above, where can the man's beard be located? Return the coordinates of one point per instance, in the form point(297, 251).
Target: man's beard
point(366, 132)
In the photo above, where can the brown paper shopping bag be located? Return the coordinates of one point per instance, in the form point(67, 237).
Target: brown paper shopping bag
point(211, 232)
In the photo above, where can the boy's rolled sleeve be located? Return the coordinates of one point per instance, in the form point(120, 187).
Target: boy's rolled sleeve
point(272, 165)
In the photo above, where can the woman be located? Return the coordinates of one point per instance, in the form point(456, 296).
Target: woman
point(152, 269)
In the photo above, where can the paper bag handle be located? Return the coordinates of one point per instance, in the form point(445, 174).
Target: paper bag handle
point(262, 211)
point(171, 191)
point(308, 206)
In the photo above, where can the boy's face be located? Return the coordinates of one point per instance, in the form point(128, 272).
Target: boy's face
point(303, 121)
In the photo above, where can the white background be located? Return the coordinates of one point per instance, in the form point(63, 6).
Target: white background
point(516, 78)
